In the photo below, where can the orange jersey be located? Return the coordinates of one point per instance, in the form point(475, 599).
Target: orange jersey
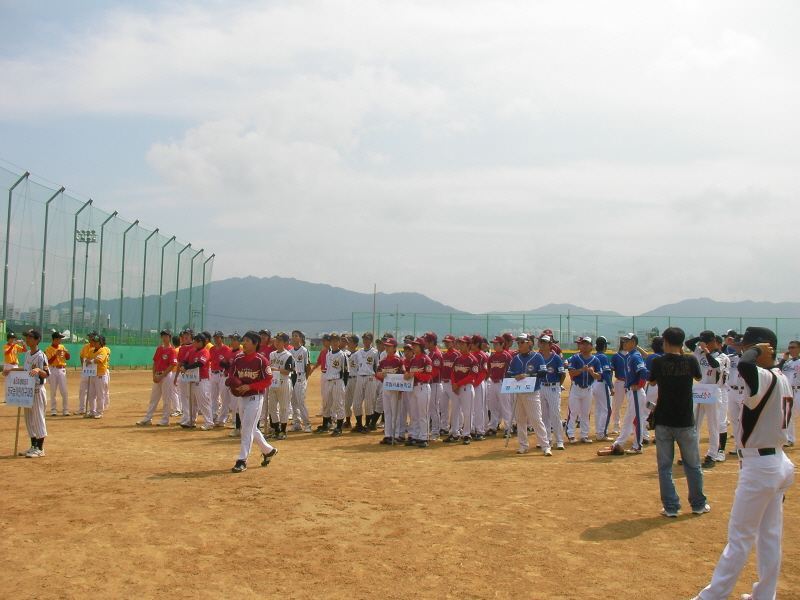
point(56, 355)
point(10, 352)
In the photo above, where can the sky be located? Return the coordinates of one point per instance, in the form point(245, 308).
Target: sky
point(494, 156)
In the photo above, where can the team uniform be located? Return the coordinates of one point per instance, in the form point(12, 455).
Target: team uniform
point(34, 416)
point(551, 372)
point(421, 368)
point(735, 391)
point(365, 383)
point(619, 361)
point(57, 357)
point(333, 400)
point(199, 398)
point(465, 371)
point(791, 370)
point(635, 374)
point(579, 402)
point(165, 360)
point(601, 395)
point(709, 365)
point(723, 388)
point(280, 391)
point(182, 397)
point(83, 386)
point(349, 380)
point(500, 405)
point(480, 420)
point(448, 395)
point(301, 360)
point(253, 370)
point(218, 392)
point(437, 396)
point(10, 352)
point(97, 390)
point(650, 392)
point(390, 398)
point(529, 408)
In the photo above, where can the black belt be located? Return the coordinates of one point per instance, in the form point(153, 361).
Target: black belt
point(216, 372)
point(549, 384)
point(737, 387)
point(583, 387)
point(159, 372)
point(761, 452)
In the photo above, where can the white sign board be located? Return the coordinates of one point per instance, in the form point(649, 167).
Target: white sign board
point(523, 386)
point(704, 393)
point(276, 379)
point(395, 382)
point(19, 389)
point(89, 370)
point(190, 376)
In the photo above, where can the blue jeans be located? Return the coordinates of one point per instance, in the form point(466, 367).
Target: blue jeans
point(689, 444)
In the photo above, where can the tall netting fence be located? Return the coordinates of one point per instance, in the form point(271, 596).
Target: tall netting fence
point(71, 266)
point(566, 328)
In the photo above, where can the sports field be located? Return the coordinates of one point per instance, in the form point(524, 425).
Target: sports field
point(119, 511)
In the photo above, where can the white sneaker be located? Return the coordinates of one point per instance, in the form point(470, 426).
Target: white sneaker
point(701, 511)
point(522, 451)
point(547, 452)
point(235, 433)
point(296, 427)
point(144, 422)
point(162, 424)
point(207, 426)
point(54, 413)
point(307, 428)
point(34, 453)
point(98, 416)
point(721, 456)
point(26, 452)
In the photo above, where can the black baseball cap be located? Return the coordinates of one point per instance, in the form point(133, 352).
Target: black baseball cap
point(326, 337)
point(199, 337)
point(33, 333)
point(188, 331)
point(757, 335)
point(57, 336)
point(166, 332)
point(235, 336)
point(283, 337)
point(707, 336)
point(265, 332)
point(219, 334)
point(368, 336)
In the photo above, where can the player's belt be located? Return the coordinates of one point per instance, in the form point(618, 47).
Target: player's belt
point(753, 452)
point(796, 387)
point(216, 372)
point(496, 380)
point(445, 381)
point(159, 372)
point(549, 384)
point(583, 387)
point(737, 387)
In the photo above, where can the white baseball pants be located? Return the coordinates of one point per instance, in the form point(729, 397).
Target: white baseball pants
point(602, 408)
point(249, 411)
point(199, 401)
point(333, 400)
point(366, 394)
point(445, 399)
point(34, 416)
point(163, 390)
point(709, 412)
point(349, 396)
point(620, 393)
point(434, 414)
point(279, 399)
point(391, 407)
point(299, 402)
point(461, 411)
point(579, 403)
point(529, 412)
point(58, 382)
point(480, 411)
point(96, 394)
point(216, 390)
point(633, 423)
point(550, 396)
point(756, 517)
point(494, 401)
point(83, 393)
point(418, 408)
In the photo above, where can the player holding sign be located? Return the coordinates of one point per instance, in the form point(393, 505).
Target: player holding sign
point(529, 408)
point(391, 364)
point(35, 363)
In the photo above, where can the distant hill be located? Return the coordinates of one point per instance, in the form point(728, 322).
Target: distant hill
point(706, 307)
point(563, 309)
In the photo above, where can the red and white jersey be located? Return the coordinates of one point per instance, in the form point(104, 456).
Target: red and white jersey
point(498, 365)
point(164, 358)
point(219, 354)
point(448, 359)
point(436, 362)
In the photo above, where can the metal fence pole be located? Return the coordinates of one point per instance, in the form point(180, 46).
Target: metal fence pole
point(100, 268)
point(72, 288)
point(8, 240)
point(178, 281)
point(203, 296)
point(44, 257)
point(144, 282)
point(161, 285)
point(191, 286)
point(122, 274)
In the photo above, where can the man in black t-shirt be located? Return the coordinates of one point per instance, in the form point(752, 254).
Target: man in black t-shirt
point(674, 373)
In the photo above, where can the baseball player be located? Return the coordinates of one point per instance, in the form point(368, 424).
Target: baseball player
point(98, 385)
point(280, 391)
point(553, 375)
point(706, 349)
point(57, 357)
point(735, 385)
point(618, 367)
point(11, 349)
point(236, 349)
point(34, 362)
point(83, 386)
point(218, 393)
point(790, 366)
point(465, 371)
point(449, 357)
point(585, 370)
point(765, 473)
point(165, 362)
point(722, 399)
point(333, 401)
point(635, 378)
point(500, 405)
point(250, 376)
point(320, 364)
point(420, 370)
point(602, 392)
point(437, 396)
point(365, 384)
point(480, 411)
point(528, 363)
point(302, 370)
point(351, 352)
point(199, 400)
point(391, 363)
point(182, 404)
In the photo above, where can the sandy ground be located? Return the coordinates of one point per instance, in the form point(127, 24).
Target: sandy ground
point(119, 511)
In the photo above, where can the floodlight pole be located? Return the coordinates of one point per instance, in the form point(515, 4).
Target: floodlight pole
point(178, 281)
point(100, 267)
point(144, 280)
point(72, 288)
point(191, 284)
point(8, 240)
point(161, 281)
point(44, 256)
point(203, 297)
point(122, 274)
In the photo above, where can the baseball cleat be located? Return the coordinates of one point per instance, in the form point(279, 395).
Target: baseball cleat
point(54, 413)
point(336, 432)
point(387, 441)
point(25, 452)
point(585, 441)
point(321, 429)
point(100, 416)
point(789, 444)
point(80, 412)
point(282, 435)
point(239, 466)
point(611, 450)
point(450, 439)
point(235, 433)
point(522, 451)
point(645, 441)
point(267, 458)
point(307, 428)
point(144, 422)
point(572, 440)
point(605, 438)
point(297, 427)
point(702, 510)
point(65, 413)
point(411, 442)
point(547, 452)
point(708, 462)
point(669, 513)
point(422, 443)
point(560, 446)
point(633, 451)
point(162, 424)
point(466, 440)
point(720, 456)
point(207, 426)
point(35, 453)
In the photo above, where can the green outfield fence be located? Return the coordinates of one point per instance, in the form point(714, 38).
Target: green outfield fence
point(566, 328)
point(73, 267)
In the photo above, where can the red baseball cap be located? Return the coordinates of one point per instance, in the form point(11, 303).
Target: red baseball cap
point(449, 338)
point(508, 337)
point(419, 341)
point(477, 339)
point(466, 339)
point(431, 337)
point(499, 339)
point(390, 342)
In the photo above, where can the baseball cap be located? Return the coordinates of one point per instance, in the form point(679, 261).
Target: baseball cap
point(431, 337)
point(499, 339)
point(333, 336)
point(508, 337)
point(235, 336)
point(92, 333)
point(524, 337)
point(407, 347)
point(730, 333)
point(166, 332)
point(265, 332)
point(390, 341)
point(57, 336)
point(10, 334)
point(368, 336)
point(408, 337)
point(419, 341)
point(707, 336)
point(233, 382)
point(757, 335)
point(545, 338)
point(466, 339)
point(630, 336)
point(584, 338)
point(283, 337)
point(477, 338)
point(219, 334)
point(449, 338)
point(326, 338)
point(199, 337)
point(187, 331)
point(33, 333)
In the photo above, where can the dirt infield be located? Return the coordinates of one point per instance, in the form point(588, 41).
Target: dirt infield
point(119, 511)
